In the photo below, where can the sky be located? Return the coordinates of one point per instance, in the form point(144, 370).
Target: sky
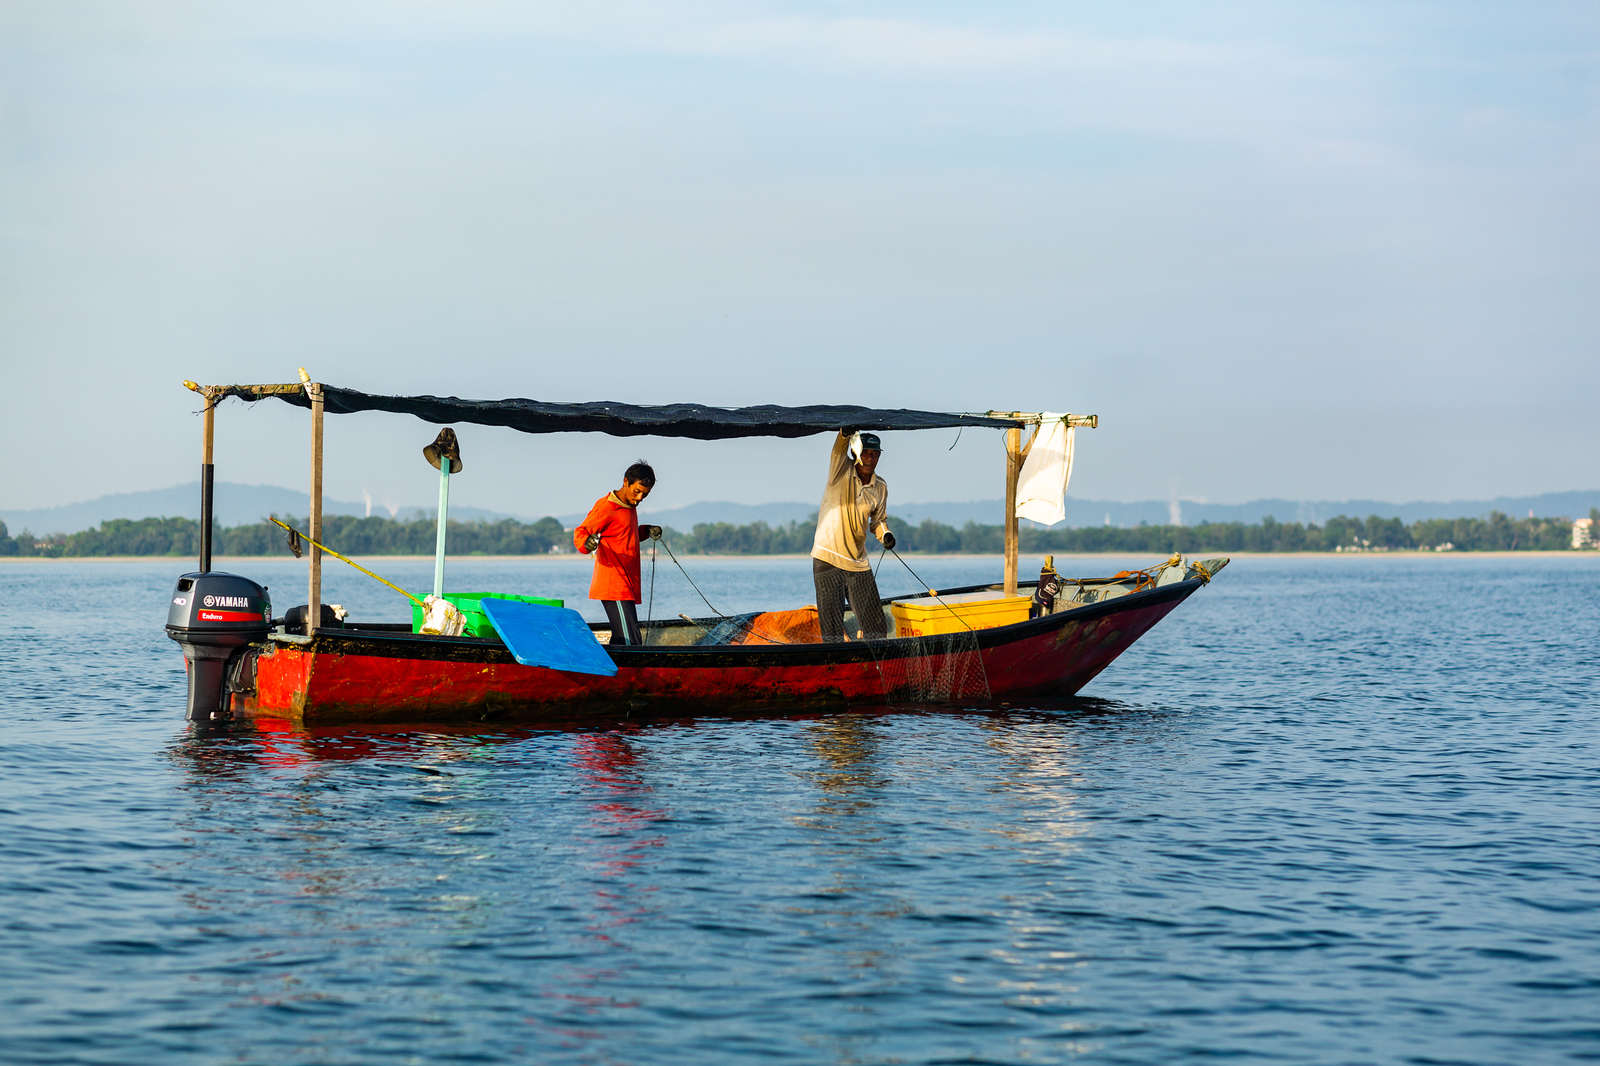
point(1310, 250)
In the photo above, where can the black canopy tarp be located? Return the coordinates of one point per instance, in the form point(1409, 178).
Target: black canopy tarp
point(633, 420)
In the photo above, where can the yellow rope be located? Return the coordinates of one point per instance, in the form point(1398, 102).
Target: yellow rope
point(352, 562)
point(1149, 573)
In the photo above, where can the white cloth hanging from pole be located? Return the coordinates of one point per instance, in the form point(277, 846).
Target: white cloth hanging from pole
point(1042, 485)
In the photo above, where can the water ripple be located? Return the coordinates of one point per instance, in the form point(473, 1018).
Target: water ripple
point(1329, 811)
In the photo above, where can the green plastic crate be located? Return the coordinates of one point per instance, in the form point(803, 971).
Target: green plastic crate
point(471, 608)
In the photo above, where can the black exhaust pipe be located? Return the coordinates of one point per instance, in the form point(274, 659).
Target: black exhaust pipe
point(207, 475)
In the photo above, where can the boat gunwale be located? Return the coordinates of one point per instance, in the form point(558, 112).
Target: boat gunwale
point(485, 650)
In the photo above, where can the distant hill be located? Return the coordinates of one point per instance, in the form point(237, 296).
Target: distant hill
point(241, 504)
point(1547, 505)
point(1155, 512)
point(235, 505)
point(739, 514)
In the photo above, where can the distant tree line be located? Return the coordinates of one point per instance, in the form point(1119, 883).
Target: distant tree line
point(344, 533)
point(1497, 532)
point(388, 536)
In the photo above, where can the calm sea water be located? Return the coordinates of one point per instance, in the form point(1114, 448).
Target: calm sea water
point(1329, 811)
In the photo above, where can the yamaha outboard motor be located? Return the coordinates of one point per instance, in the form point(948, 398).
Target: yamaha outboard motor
point(215, 617)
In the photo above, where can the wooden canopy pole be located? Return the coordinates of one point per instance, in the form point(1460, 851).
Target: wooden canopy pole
point(314, 596)
point(1015, 454)
point(207, 481)
point(215, 394)
point(1013, 470)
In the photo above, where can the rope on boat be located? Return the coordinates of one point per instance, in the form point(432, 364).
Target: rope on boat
point(295, 535)
point(736, 621)
point(1149, 575)
point(957, 662)
point(955, 613)
point(690, 580)
point(650, 611)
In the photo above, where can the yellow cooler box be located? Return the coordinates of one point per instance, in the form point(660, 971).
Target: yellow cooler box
point(957, 613)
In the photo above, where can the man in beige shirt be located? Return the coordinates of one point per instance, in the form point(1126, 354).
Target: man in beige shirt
point(855, 500)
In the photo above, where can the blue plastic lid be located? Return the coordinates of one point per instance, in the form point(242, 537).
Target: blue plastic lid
point(553, 637)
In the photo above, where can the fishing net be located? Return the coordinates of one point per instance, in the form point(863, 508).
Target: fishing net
point(936, 668)
point(781, 627)
point(931, 667)
point(762, 627)
point(725, 630)
point(920, 668)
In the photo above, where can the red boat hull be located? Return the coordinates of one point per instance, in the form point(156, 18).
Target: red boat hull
point(350, 675)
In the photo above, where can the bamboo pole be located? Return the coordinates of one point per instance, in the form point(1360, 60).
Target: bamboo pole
point(1034, 418)
point(314, 596)
point(1013, 470)
point(207, 481)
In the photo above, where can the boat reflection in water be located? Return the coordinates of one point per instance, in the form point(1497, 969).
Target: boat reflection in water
point(574, 879)
point(400, 850)
point(848, 838)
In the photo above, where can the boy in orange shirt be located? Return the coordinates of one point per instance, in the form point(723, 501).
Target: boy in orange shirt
point(611, 533)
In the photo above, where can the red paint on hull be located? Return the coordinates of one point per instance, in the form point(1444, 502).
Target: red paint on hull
point(345, 676)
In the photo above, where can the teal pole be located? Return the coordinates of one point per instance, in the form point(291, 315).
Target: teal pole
point(444, 510)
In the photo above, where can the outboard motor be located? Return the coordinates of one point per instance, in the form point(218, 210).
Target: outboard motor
point(214, 617)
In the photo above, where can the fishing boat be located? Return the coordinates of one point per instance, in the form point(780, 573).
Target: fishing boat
point(947, 646)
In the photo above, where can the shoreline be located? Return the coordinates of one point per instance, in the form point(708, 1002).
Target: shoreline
point(246, 559)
